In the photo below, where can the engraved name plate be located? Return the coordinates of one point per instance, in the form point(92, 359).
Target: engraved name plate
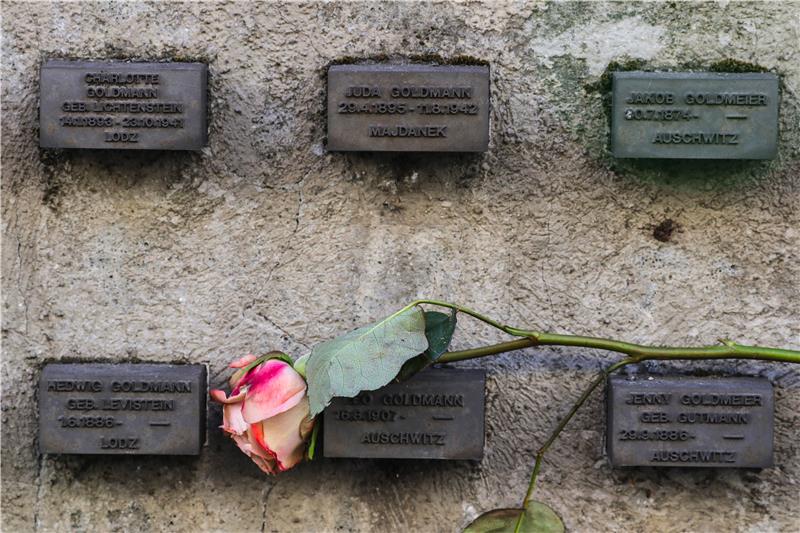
point(690, 422)
point(694, 115)
point(122, 409)
point(437, 414)
point(408, 108)
point(116, 104)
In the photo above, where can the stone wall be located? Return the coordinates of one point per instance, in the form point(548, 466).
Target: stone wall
point(265, 241)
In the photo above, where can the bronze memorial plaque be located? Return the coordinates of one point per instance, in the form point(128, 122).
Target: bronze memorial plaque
point(88, 408)
point(689, 421)
point(408, 108)
point(119, 104)
point(437, 414)
point(694, 115)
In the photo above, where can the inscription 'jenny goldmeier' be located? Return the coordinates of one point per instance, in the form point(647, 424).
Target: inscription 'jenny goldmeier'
point(690, 422)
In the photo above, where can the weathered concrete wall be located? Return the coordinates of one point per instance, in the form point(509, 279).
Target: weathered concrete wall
point(265, 241)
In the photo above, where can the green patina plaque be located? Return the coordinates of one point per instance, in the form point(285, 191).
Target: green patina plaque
point(694, 115)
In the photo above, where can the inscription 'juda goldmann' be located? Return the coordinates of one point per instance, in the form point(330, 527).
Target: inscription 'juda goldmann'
point(410, 91)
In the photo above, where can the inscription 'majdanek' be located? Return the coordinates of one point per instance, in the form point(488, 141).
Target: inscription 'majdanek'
point(124, 408)
point(117, 104)
point(695, 115)
point(438, 414)
point(690, 422)
point(408, 108)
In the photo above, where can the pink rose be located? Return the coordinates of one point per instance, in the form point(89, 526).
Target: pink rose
point(267, 412)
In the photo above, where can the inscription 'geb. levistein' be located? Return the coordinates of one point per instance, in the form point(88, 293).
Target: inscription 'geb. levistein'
point(117, 104)
point(695, 115)
point(408, 108)
point(122, 408)
point(684, 421)
point(438, 414)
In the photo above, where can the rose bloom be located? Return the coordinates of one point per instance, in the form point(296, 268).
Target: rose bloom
point(267, 413)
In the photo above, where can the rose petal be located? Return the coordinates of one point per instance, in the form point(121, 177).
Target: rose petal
point(282, 435)
point(243, 443)
point(243, 361)
point(306, 427)
point(236, 378)
point(272, 388)
point(257, 445)
point(219, 396)
point(232, 420)
point(266, 465)
point(241, 364)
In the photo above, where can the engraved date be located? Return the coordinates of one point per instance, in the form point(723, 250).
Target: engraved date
point(369, 415)
point(88, 422)
point(657, 434)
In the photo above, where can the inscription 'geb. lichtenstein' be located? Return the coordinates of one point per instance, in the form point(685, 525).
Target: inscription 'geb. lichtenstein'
point(690, 422)
point(116, 104)
point(408, 108)
point(126, 408)
point(695, 115)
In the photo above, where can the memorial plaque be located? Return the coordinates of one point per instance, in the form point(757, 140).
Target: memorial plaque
point(690, 422)
point(122, 409)
point(408, 108)
point(694, 115)
point(117, 104)
point(437, 414)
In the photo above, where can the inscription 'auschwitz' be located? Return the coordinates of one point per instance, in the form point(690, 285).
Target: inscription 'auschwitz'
point(685, 421)
point(122, 408)
point(438, 414)
point(694, 115)
point(117, 104)
point(408, 108)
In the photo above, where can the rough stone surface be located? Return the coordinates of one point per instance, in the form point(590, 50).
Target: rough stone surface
point(265, 241)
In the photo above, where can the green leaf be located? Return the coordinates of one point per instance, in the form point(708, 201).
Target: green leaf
point(364, 359)
point(439, 329)
point(539, 518)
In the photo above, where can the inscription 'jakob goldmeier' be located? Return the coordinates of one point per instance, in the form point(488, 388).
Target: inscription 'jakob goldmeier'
point(695, 115)
point(117, 104)
point(408, 108)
